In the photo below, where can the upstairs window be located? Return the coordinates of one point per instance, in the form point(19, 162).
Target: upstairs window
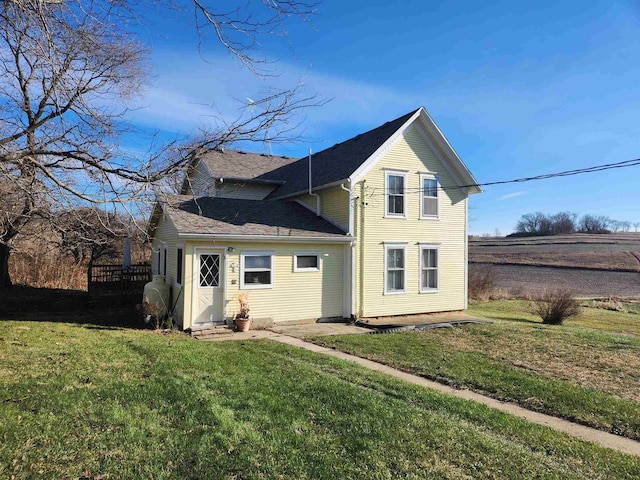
point(396, 194)
point(429, 206)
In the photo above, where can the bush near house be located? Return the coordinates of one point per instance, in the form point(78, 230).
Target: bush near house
point(555, 306)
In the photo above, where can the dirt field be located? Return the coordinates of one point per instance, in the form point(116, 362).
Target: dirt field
point(592, 265)
point(585, 283)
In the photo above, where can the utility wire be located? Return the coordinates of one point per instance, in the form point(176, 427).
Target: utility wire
point(566, 173)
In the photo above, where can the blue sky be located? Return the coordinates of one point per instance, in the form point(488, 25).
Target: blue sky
point(519, 89)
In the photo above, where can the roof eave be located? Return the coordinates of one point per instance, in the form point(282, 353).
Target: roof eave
point(265, 238)
point(470, 183)
point(252, 180)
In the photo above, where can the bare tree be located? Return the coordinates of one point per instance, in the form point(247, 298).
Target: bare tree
point(534, 224)
point(563, 223)
point(63, 66)
point(239, 28)
point(67, 70)
point(594, 224)
point(89, 234)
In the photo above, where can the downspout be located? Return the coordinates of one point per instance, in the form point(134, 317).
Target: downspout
point(311, 194)
point(352, 256)
point(466, 251)
point(361, 236)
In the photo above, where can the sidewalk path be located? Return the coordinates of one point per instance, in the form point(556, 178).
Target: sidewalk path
point(604, 439)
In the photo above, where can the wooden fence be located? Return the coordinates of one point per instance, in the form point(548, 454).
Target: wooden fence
point(115, 280)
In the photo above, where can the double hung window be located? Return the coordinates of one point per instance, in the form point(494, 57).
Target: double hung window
point(256, 270)
point(396, 204)
point(395, 268)
point(429, 197)
point(429, 268)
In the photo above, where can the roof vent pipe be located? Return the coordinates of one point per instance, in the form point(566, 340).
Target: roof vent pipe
point(310, 186)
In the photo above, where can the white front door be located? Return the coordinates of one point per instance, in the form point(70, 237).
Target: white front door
point(208, 296)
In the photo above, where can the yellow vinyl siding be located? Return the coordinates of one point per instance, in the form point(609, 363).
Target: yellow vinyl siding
point(295, 296)
point(247, 191)
point(166, 235)
point(334, 205)
point(411, 154)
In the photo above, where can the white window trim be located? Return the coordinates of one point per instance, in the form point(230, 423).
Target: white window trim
point(429, 176)
point(163, 260)
point(398, 173)
point(253, 286)
point(180, 246)
point(429, 246)
point(393, 246)
point(305, 254)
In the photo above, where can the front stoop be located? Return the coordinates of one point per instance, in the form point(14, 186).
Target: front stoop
point(203, 333)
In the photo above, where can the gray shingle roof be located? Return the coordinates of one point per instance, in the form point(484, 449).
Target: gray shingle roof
point(227, 216)
point(242, 165)
point(335, 163)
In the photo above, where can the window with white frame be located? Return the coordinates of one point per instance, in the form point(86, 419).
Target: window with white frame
point(396, 184)
point(179, 264)
point(306, 262)
point(429, 268)
point(256, 270)
point(161, 260)
point(429, 197)
point(164, 261)
point(395, 268)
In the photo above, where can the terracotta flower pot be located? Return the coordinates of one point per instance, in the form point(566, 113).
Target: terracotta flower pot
point(242, 324)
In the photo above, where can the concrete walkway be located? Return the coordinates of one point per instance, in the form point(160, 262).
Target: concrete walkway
point(604, 439)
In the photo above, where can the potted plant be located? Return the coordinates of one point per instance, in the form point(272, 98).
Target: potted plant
point(242, 320)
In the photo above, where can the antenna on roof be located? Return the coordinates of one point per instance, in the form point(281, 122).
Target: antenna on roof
point(251, 104)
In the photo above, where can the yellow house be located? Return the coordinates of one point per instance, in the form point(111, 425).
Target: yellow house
point(373, 226)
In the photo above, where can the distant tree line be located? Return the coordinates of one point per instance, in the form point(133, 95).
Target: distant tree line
point(563, 223)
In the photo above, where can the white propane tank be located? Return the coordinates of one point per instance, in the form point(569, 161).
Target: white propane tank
point(156, 293)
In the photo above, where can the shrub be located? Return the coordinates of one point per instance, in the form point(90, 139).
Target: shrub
point(482, 281)
point(555, 306)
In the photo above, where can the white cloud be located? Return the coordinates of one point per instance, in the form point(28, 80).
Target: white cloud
point(512, 195)
point(189, 92)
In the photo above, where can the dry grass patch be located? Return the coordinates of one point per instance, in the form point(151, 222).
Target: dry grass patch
point(582, 374)
point(613, 368)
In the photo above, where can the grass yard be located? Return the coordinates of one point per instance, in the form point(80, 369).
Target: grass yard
point(583, 374)
point(590, 318)
point(134, 404)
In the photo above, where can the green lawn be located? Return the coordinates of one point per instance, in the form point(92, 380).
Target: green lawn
point(594, 318)
point(134, 404)
point(582, 374)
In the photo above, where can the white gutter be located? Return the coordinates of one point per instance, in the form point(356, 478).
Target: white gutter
point(352, 252)
point(311, 194)
point(319, 187)
point(263, 238)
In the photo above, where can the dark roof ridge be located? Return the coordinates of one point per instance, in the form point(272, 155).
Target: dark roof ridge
point(337, 162)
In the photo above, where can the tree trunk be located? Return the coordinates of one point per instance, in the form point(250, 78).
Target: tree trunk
point(5, 280)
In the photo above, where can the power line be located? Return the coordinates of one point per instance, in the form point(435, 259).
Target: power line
point(566, 173)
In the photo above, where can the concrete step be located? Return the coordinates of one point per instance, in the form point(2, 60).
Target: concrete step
point(204, 333)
